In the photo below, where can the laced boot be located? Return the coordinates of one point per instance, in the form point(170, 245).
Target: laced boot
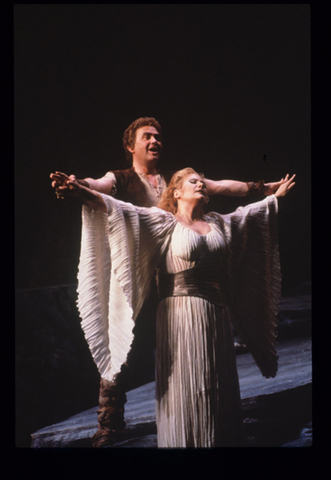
point(110, 414)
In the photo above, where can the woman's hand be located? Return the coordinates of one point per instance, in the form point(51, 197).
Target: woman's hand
point(272, 187)
point(285, 187)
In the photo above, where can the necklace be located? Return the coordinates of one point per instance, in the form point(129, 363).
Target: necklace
point(157, 188)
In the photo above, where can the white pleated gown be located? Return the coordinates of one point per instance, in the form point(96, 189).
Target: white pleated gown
point(197, 390)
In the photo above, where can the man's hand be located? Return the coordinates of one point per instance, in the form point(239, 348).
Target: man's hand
point(63, 184)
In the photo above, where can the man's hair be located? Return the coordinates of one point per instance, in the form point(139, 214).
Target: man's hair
point(129, 137)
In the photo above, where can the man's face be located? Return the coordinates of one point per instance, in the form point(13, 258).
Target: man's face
point(147, 146)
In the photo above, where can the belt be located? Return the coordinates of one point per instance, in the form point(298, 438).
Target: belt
point(199, 281)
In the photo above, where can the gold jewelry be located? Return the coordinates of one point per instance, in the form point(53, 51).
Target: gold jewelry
point(59, 195)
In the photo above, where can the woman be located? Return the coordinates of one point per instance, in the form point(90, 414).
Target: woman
point(214, 270)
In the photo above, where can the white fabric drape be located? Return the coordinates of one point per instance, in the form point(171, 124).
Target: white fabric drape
point(197, 388)
point(198, 402)
point(119, 254)
point(254, 278)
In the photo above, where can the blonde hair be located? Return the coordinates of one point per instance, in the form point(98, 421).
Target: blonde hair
point(168, 201)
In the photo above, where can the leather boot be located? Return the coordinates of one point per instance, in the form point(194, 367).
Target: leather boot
point(110, 414)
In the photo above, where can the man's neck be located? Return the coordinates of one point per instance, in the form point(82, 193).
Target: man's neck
point(149, 169)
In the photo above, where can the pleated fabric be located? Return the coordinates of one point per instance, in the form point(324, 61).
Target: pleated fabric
point(197, 392)
point(120, 251)
point(254, 278)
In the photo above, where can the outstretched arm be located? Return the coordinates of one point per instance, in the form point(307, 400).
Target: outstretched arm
point(69, 185)
point(60, 183)
point(241, 189)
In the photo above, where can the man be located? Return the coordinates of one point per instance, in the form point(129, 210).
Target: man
point(142, 142)
point(142, 184)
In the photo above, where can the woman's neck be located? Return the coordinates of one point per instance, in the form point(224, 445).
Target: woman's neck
point(189, 214)
point(193, 219)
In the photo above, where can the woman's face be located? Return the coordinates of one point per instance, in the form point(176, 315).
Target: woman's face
point(192, 189)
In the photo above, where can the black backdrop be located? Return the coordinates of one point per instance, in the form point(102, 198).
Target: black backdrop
point(230, 84)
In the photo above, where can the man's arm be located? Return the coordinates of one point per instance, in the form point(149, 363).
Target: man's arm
point(226, 187)
point(102, 185)
point(241, 189)
point(60, 181)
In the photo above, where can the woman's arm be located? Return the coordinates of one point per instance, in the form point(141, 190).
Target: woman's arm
point(89, 197)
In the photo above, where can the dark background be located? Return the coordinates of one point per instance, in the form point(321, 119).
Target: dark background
point(230, 85)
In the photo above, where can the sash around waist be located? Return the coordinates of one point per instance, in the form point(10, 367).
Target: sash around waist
point(200, 281)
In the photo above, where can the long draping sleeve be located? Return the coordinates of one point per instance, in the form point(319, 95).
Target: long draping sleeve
point(254, 279)
point(119, 253)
